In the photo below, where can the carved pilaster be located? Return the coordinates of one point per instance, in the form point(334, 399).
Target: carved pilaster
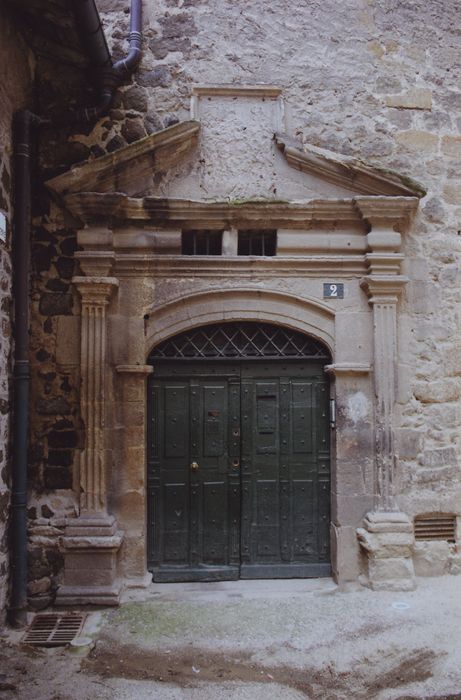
point(384, 293)
point(92, 541)
point(95, 293)
point(387, 534)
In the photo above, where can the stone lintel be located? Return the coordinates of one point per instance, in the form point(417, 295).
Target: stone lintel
point(114, 208)
point(345, 368)
point(134, 369)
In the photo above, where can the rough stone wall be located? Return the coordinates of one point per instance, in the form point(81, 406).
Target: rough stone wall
point(371, 79)
point(15, 79)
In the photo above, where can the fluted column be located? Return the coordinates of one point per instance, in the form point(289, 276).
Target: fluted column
point(387, 535)
point(95, 294)
point(384, 295)
point(91, 542)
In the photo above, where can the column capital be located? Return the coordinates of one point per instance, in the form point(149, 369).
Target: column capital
point(96, 263)
point(385, 212)
point(383, 289)
point(95, 290)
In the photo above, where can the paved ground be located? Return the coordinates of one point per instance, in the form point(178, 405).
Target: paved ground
point(287, 640)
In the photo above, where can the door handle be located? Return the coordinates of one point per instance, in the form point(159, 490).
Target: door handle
point(194, 466)
point(236, 463)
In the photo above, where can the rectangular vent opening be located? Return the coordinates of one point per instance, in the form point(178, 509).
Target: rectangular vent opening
point(435, 527)
point(201, 243)
point(54, 629)
point(257, 242)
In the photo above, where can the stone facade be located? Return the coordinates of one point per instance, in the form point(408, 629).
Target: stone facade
point(375, 82)
point(15, 83)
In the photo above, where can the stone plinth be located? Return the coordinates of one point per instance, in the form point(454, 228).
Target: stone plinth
point(388, 540)
point(90, 547)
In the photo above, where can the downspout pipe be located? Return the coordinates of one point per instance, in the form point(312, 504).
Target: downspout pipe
point(24, 125)
point(110, 76)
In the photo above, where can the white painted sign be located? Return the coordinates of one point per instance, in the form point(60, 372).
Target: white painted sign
point(333, 290)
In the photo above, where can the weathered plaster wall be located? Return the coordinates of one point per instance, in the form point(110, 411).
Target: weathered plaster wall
point(15, 80)
point(374, 80)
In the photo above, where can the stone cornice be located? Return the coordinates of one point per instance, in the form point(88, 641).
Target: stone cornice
point(115, 208)
point(346, 171)
point(129, 169)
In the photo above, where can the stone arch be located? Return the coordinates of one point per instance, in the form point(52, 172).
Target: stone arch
point(243, 304)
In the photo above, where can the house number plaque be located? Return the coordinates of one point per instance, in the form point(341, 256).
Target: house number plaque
point(333, 290)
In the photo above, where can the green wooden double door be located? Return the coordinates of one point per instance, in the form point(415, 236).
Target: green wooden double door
point(238, 471)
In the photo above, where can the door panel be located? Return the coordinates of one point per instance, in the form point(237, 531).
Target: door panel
point(284, 531)
point(195, 509)
point(258, 503)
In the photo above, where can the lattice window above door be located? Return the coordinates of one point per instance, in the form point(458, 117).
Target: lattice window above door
point(243, 340)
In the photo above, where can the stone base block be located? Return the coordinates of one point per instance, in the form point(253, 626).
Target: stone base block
point(388, 541)
point(139, 582)
point(389, 568)
point(89, 595)
point(90, 546)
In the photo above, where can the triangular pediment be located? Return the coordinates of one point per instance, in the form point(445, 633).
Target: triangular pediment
point(130, 169)
point(348, 172)
point(233, 150)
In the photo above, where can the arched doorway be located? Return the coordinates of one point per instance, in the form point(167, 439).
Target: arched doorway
point(238, 454)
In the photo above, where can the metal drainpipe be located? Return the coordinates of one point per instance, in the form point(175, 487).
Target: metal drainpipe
point(110, 76)
point(23, 126)
point(23, 123)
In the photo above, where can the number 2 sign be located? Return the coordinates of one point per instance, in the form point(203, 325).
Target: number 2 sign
point(333, 290)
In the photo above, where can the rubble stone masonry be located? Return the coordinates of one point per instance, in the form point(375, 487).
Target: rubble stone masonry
point(376, 80)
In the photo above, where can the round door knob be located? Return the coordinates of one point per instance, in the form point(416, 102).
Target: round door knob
point(194, 466)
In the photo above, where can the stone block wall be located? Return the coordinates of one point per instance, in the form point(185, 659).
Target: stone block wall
point(16, 70)
point(372, 80)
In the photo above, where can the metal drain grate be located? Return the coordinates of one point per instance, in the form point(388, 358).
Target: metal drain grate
point(435, 527)
point(54, 629)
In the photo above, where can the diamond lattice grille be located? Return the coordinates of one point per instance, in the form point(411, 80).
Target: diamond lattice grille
point(240, 340)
